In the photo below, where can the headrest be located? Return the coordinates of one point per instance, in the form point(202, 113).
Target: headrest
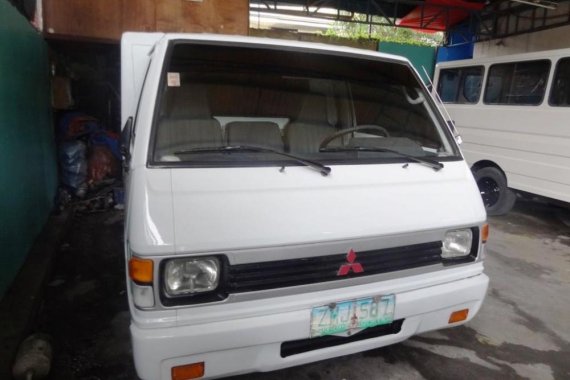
point(187, 102)
point(317, 108)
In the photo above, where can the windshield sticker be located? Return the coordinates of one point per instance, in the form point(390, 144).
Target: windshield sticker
point(173, 79)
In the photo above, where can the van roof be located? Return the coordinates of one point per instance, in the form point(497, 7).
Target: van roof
point(247, 40)
point(544, 54)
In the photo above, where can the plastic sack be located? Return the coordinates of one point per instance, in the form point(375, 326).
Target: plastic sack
point(75, 124)
point(73, 163)
point(102, 164)
point(107, 139)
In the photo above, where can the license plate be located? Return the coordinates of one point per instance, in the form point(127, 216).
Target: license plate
point(349, 317)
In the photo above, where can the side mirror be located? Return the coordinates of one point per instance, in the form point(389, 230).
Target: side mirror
point(456, 135)
point(126, 136)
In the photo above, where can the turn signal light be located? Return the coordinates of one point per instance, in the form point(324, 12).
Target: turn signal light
point(484, 233)
point(141, 270)
point(188, 371)
point(458, 316)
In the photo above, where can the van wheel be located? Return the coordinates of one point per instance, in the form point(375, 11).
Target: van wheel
point(497, 197)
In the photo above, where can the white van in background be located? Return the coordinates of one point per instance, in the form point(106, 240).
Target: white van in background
point(513, 114)
point(286, 203)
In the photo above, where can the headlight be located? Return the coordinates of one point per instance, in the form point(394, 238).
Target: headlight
point(191, 275)
point(457, 243)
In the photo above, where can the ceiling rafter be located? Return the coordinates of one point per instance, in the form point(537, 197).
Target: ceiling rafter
point(498, 19)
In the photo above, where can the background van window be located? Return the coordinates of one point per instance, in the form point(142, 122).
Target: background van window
point(519, 83)
point(560, 93)
point(460, 85)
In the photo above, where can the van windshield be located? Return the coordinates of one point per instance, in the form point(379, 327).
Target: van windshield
point(306, 103)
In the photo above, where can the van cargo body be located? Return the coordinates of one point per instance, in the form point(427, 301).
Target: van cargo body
point(286, 203)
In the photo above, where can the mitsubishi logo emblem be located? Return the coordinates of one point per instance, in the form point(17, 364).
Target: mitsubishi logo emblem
point(350, 265)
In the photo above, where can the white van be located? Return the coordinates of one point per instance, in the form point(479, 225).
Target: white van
point(287, 202)
point(512, 112)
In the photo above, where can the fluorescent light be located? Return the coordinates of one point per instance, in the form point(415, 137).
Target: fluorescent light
point(539, 3)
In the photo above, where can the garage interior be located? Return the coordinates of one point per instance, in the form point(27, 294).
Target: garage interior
point(76, 73)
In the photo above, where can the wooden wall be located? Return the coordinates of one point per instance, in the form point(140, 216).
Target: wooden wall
point(108, 19)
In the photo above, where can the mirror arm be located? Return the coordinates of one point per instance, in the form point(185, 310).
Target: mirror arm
point(126, 137)
point(454, 132)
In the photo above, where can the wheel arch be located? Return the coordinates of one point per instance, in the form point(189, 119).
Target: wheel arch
point(506, 197)
point(485, 164)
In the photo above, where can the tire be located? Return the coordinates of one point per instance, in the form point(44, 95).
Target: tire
point(497, 197)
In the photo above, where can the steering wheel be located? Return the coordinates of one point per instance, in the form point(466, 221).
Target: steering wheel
point(326, 141)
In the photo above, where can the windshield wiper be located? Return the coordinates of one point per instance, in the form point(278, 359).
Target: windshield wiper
point(435, 165)
point(324, 170)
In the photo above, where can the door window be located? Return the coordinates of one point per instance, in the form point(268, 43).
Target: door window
point(460, 85)
point(560, 93)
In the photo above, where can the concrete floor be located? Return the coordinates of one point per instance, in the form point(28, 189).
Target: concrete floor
point(522, 331)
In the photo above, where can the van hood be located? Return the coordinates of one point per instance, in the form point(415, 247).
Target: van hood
point(186, 210)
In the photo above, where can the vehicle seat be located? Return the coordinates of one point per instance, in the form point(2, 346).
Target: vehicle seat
point(187, 121)
point(256, 133)
point(315, 121)
point(188, 133)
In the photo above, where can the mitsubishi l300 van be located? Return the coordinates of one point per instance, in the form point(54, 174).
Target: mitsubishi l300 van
point(287, 202)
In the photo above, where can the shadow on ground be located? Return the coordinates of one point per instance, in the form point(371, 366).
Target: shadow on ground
point(86, 309)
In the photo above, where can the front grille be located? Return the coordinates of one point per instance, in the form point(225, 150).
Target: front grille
point(295, 347)
point(294, 272)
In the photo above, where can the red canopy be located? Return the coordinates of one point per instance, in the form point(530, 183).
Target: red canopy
point(438, 14)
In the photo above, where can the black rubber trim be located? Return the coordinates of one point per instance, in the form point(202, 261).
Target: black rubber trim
point(296, 347)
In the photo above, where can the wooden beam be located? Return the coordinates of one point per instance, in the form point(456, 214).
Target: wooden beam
point(83, 18)
point(108, 19)
point(215, 16)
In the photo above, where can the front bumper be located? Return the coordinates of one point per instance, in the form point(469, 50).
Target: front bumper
point(253, 344)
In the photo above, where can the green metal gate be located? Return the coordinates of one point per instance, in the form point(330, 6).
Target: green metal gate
point(28, 171)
